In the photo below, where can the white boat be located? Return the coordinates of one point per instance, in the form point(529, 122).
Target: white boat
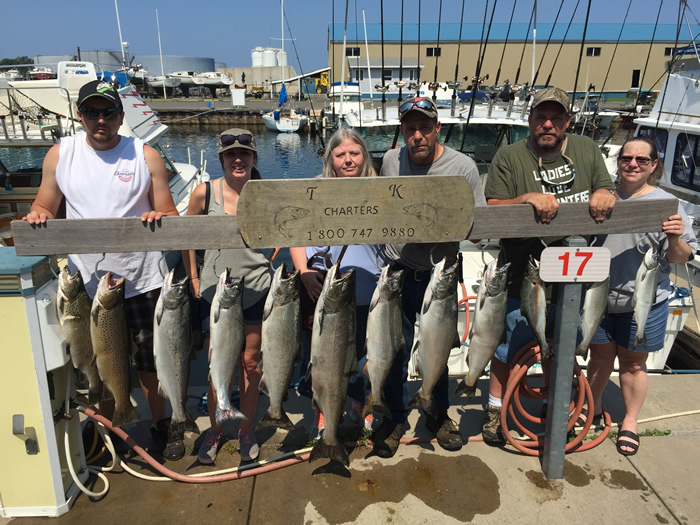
point(188, 78)
point(216, 79)
point(41, 73)
point(10, 74)
point(285, 119)
point(158, 82)
point(674, 124)
point(43, 111)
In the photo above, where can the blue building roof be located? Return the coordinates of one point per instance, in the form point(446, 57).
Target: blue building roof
point(473, 32)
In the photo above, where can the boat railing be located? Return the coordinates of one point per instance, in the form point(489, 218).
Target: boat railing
point(30, 121)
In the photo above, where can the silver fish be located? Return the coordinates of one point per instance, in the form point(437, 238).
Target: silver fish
point(533, 304)
point(112, 345)
point(595, 304)
point(281, 344)
point(384, 335)
point(437, 333)
point(645, 286)
point(73, 309)
point(226, 342)
point(488, 327)
point(173, 349)
point(333, 358)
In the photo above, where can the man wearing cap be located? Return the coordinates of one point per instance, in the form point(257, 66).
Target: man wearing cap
point(545, 169)
point(103, 174)
point(422, 155)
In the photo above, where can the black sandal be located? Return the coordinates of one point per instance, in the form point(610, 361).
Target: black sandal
point(626, 436)
point(583, 417)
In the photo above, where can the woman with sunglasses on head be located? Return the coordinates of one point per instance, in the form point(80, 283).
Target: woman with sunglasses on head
point(347, 157)
point(638, 167)
point(238, 156)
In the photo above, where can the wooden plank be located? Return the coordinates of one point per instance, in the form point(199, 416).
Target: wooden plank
point(61, 236)
point(504, 222)
point(313, 212)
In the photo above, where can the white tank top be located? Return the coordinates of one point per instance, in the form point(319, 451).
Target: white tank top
point(112, 183)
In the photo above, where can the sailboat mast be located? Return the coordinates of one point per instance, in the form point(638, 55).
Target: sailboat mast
point(121, 41)
point(160, 50)
point(342, 68)
point(534, 44)
point(282, 26)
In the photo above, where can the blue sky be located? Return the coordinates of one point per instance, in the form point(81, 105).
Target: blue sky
point(228, 30)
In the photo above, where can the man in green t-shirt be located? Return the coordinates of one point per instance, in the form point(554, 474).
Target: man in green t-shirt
point(547, 168)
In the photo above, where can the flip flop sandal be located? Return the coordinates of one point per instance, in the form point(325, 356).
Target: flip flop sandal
point(629, 435)
point(580, 421)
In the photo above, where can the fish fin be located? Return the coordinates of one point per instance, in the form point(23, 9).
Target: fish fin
point(125, 416)
point(333, 452)
point(415, 400)
point(426, 304)
point(217, 312)
point(367, 410)
point(282, 422)
point(161, 391)
point(263, 386)
point(159, 312)
point(381, 408)
point(228, 413)
point(464, 388)
point(267, 310)
point(374, 302)
point(95, 314)
point(308, 371)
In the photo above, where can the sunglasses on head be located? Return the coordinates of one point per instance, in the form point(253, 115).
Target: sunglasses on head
point(244, 139)
point(422, 103)
point(641, 161)
point(95, 113)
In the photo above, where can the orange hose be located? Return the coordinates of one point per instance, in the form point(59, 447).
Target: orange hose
point(528, 356)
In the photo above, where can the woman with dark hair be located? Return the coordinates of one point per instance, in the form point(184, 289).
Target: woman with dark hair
point(638, 167)
point(238, 156)
point(347, 156)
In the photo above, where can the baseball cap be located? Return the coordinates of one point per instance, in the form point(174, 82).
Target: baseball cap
point(236, 138)
point(551, 94)
point(424, 105)
point(102, 89)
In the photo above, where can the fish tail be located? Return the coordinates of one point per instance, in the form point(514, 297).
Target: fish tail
point(428, 405)
point(464, 388)
point(380, 407)
point(640, 340)
point(268, 420)
point(182, 426)
point(582, 350)
point(333, 452)
point(368, 406)
point(95, 393)
point(222, 414)
point(125, 416)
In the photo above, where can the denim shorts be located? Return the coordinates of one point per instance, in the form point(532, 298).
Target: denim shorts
point(622, 329)
point(252, 315)
point(518, 332)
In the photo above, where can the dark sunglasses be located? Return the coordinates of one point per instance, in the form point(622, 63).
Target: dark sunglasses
point(422, 103)
point(95, 113)
point(641, 161)
point(245, 139)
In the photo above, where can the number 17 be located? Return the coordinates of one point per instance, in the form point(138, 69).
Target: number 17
point(565, 258)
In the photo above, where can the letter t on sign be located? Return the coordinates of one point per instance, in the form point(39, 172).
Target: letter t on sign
point(310, 192)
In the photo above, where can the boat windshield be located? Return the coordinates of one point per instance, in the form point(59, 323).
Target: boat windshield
point(169, 165)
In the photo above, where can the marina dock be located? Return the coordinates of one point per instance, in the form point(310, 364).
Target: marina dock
point(422, 483)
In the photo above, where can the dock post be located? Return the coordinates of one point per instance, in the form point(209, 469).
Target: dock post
point(566, 328)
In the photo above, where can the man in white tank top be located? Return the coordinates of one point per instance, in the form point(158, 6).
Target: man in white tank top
point(103, 174)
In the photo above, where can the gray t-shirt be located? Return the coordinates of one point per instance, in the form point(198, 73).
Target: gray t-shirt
point(627, 251)
point(397, 162)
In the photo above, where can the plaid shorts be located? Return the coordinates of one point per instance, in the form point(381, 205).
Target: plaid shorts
point(139, 320)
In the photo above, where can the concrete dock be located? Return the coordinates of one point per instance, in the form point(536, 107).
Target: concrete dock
point(422, 483)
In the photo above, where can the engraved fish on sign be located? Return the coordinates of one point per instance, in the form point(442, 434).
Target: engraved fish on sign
point(425, 213)
point(287, 216)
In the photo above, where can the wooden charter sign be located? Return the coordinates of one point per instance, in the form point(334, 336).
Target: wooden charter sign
point(377, 210)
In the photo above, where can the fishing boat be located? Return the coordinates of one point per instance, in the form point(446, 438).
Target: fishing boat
point(41, 73)
point(39, 112)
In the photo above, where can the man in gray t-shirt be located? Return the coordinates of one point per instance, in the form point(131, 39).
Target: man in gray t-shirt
point(422, 155)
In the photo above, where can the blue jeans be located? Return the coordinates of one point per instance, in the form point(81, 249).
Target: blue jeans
point(412, 300)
